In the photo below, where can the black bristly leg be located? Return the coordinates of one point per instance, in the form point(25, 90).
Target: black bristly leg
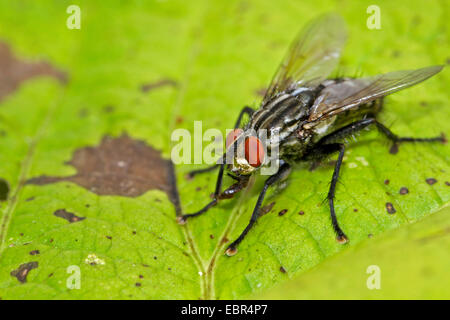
point(340, 235)
point(245, 110)
point(328, 145)
point(318, 153)
point(193, 173)
point(183, 218)
point(282, 172)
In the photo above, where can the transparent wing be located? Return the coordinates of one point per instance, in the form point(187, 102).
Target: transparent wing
point(350, 93)
point(312, 56)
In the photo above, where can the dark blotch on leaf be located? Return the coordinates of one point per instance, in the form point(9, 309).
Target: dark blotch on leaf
point(138, 284)
point(386, 182)
point(4, 189)
point(120, 166)
point(34, 252)
point(403, 190)
point(301, 212)
point(390, 208)
point(108, 108)
point(282, 212)
point(158, 84)
point(69, 216)
point(283, 270)
point(21, 273)
point(431, 181)
point(15, 71)
point(447, 183)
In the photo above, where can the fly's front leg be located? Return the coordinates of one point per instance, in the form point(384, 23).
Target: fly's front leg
point(283, 172)
point(245, 110)
point(183, 218)
point(228, 193)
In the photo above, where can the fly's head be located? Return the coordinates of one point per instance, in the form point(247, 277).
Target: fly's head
point(248, 155)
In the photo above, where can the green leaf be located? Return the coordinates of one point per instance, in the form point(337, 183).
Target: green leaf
point(412, 263)
point(121, 69)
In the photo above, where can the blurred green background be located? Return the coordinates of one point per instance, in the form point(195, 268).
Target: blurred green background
point(220, 54)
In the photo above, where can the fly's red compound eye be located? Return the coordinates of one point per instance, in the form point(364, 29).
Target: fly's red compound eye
point(254, 151)
point(232, 136)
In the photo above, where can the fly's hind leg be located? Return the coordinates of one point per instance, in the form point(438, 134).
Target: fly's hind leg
point(245, 110)
point(330, 144)
point(361, 124)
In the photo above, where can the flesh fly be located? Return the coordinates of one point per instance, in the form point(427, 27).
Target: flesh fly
point(311, 114)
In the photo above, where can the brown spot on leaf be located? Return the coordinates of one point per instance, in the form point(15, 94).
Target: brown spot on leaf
point(266, 209)
point(69, 216)
point(108, 108)
point(83, 113)
point(14, 71)
point(390, 208)
point(447, 183)
point(403, 190)
point(211, 236)
point(386, 182)
point(158, 84)
point(4, 189)
point(138, 284)
point(21, 273)
point(34, 252)
point(179, 120)
point(355, 210)
point(283, 270)
point(120, 166)
point(282, 212)
point(431, 181)
point(301, 212)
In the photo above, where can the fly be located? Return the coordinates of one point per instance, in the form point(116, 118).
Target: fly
point(312, 114)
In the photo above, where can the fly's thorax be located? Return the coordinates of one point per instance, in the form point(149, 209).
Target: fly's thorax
point(316, 129)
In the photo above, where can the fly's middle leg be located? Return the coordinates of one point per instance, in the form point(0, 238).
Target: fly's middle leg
point(246, 110)
point(318, 153)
